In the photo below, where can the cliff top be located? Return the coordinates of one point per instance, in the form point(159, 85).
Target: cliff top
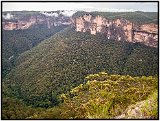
point(136, 17)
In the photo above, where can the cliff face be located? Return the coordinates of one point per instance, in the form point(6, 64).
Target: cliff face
point(19, 24)
point(25, 23)
point(147, 34)
point(119, 29)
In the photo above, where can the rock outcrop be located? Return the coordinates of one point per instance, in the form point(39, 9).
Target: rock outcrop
point(147, 34)
point(119, 29)
point(146, 109)
point(25, 23)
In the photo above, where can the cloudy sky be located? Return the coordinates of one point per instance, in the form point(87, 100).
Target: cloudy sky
point(86, 6)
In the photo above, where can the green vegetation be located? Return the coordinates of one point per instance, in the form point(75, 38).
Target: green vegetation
point(106, 96)
point(64, 76)
point(103, 96)
point(61, 63)
point(17, 41)
point(16, 109)
point(136, 17)
point(147, 109)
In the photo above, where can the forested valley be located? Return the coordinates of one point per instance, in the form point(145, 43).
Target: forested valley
point(59, 73)
point(18, 41)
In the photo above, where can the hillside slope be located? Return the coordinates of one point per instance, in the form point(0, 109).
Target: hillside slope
point(108, 96)
point(61, 62)
point(16, 42)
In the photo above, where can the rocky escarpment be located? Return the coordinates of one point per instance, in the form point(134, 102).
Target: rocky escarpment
point(25, 21)
point(118, 29)
point(114, 29)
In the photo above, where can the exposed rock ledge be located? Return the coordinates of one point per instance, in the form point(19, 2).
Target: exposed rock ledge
point(119, 29)
point(142, 110)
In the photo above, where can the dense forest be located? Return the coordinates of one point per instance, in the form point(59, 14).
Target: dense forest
point(18, 41)
point(102, 96)
point(61, 63)
point(59, 73)
point(107, 96)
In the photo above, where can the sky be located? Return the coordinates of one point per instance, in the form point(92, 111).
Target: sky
point(85, 6)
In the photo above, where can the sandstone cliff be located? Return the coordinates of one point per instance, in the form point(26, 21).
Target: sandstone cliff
point(118, 29)
point(25, 23)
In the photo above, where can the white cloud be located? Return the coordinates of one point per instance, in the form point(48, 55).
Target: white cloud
point(68, 13)
point(85, 6)
point(8, 16)
point(65, 13)
point(50, 14)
